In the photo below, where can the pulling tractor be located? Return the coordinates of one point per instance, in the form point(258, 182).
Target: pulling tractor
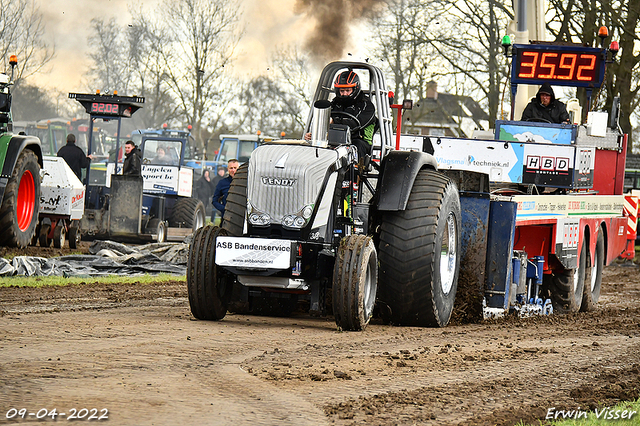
point(20, 163)
point(523, 223)
point(312, 221)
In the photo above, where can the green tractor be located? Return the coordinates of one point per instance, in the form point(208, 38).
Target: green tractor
point(20, 162)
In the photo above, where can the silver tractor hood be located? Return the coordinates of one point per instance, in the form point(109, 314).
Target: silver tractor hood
point(284, 183)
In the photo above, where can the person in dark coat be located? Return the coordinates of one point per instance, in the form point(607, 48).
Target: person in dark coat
point(74, 156)
point(222, 189)
point(205, 189)
point(545, 107)
point(132, 160)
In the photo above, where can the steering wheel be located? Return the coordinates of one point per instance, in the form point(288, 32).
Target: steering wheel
point(538, 120)
point(350, 116)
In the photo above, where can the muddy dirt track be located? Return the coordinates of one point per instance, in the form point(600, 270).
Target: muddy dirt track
point(136, 351)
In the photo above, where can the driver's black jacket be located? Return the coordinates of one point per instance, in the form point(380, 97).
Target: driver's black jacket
point(555, 112)
point(361, 108)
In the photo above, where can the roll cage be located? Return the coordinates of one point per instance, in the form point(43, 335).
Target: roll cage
point(377, 92)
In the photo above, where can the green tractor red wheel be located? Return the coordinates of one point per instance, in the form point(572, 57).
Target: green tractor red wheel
point(21, 202)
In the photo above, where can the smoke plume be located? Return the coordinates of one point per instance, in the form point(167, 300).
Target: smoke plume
point(332, 21)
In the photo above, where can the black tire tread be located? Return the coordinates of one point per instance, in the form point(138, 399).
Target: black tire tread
point(564, 298)
point(10, 233)
point(236, 206)
point(590, 298)
point(185, 212)
point(406, 253)
point(206, 285)
point(73, 237)
point(347, 309)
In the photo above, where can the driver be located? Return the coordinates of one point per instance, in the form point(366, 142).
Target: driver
point(545, 107)
point(352, 101)
point(161, 156)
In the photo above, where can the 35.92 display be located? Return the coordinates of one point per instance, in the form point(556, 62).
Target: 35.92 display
point(558, 65)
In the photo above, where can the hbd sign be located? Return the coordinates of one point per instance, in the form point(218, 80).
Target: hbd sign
point(550, 164)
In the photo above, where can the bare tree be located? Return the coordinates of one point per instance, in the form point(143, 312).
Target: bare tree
point(109, 55)
point(292, 73)
point(146, 44)
point(404, 56)
point(22, 34)
point(203, 35)
point(578, 21)
point(450, 40)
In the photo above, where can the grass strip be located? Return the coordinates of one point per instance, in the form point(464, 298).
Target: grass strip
point(51, 281)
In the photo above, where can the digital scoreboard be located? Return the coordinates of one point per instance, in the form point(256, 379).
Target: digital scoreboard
point(108, 105)
point(558, 65)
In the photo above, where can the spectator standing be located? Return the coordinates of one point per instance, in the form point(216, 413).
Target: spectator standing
point(74, 156)
point(205, 189)
point(222, 189)
point(133, 160)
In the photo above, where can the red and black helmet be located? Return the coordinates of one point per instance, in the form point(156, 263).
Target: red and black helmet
point(347, 80)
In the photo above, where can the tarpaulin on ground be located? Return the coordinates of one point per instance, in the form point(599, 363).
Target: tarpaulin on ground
point(106, 258)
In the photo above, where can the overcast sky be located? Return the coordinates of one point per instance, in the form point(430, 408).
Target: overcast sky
point(269, 23)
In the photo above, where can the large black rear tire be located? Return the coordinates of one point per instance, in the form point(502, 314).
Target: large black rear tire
point(208, 286)
point(236, 208)
point(419, 254)
point(187, 213)
point(21, 202)
point(355, 276)
point(593, 276)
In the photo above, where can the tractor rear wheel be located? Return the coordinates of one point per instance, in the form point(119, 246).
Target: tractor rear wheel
point(419, 254)
point(236, 207)
point(593, 276)
point(355, 276)
point(208, 286)
point(234, 213)
point(187, 213)
point(21, 202)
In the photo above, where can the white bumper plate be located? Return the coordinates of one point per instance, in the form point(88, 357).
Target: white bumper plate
point(256, 253)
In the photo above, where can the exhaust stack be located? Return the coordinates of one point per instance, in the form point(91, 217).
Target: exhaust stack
point(320, 123)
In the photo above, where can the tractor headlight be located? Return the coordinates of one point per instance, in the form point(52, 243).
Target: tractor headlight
point(299, 219)
point(288, 220)
point(307, 211)
point(259, 219)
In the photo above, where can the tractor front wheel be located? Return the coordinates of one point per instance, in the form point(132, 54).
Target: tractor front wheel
point(208, 286)
point(355, 281)
point(188, 213)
